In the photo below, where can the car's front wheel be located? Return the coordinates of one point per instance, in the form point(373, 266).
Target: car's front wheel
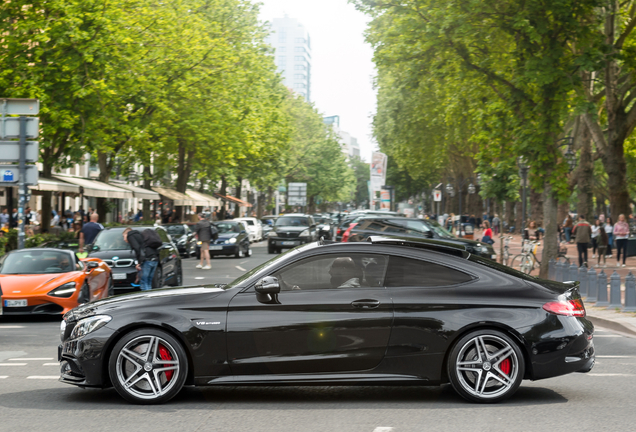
point(486, 366)
point(148, 366)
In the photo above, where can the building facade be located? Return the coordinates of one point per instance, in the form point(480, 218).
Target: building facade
point(292, 54)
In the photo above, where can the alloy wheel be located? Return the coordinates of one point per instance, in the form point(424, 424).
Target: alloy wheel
point(148, 367)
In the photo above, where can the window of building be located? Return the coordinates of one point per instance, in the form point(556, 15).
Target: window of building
point(300, 85)
point(299, 49)
point(299, 58)
point(282, 36)
point(282, 49)
point(282, 59)
point(300, 40)
point(407, 272)
point(300, 67)
point(300, 76)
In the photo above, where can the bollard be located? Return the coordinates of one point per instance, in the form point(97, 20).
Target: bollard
point(573, 273)
point(583, 281)
point(602, 289)
point(558, 272)
point(630, 293)
point(592, 286)
point(552, 269)
point(615, 291)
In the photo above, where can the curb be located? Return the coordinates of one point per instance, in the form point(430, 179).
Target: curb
point(612, 325)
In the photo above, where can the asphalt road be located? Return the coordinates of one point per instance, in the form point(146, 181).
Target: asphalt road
point(32, 399)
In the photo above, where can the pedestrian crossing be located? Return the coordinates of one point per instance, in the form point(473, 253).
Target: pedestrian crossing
point(23, 368)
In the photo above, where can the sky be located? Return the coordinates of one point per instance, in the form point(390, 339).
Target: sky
point(342, 66)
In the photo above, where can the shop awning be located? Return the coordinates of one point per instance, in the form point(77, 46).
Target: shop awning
point(234, 200)
point(177, 197)
point(45, 184)
point(139, 192)
point(96, 189)
point(201, 199)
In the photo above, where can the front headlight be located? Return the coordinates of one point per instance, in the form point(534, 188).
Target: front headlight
point(199, 243)
point(62, 329)
point(232, 240)
point(271, 234)
point(304, 233)
point(64, 291)
point(89, 325)
point(182, 240)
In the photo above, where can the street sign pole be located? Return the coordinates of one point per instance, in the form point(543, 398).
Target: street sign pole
point(22, 182)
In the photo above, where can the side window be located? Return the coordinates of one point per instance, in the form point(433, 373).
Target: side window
point(392, 226)
point(407, 272)
point(333, 272)
point(163, 236)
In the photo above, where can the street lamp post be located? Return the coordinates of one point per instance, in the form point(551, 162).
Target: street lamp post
point(523, 173)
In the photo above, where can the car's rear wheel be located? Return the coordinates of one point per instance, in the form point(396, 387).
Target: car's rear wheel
point(177, 279)
point(486, 366)
point(157, 278)
point(270, 249)
point(111, 286)
point(148, 366)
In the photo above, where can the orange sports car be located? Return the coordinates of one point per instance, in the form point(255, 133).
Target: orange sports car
point(50, 281)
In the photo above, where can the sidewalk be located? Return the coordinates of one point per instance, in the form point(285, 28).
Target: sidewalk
point(612, 319)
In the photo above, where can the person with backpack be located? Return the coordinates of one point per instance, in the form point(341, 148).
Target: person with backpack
point(205, 232)
point(146, 245)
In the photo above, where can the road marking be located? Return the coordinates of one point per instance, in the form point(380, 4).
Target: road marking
point(43, 377)
point(35, 358)
point(383, 429)
point(13, 364)
point(4, 376)
point(613, 356)
point(199, 278)
point(609, 374)
point(51, 364)
point(243, 262)
point(240, 268)
point(10, 327)
point(610, 336)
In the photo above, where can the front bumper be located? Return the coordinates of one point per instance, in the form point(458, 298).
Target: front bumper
point(81, 361)
point(124, 277)
point(287, 243)
point(222, 249)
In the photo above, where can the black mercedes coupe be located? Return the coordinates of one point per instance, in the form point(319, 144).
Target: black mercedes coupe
point(384, 312)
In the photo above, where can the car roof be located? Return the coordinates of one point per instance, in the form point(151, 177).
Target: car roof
point(295, 215)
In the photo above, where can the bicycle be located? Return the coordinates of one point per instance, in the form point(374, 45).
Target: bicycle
point(527, 259)
point(506, 251)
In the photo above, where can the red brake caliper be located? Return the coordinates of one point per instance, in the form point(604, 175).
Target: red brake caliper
point(165, 355)
point(505, 366)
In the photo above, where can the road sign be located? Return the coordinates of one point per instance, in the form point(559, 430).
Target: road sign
point(12, 106)
point(437, 195)
point(10, 174)
point(10, 151)
point(297, 194)
point(11, 127)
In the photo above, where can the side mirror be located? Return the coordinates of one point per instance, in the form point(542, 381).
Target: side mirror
point(429, 234)
point(267, 285)
point(92, 264)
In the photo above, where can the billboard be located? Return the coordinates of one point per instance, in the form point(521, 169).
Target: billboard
point(378, 177)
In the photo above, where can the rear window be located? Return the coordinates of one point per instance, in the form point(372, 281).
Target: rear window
point(407, 272)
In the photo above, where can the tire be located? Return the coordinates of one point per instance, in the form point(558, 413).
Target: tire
point(270, 249)
point(111, 286)
point(148, 366)
point(249, 252)
point(523, 263)
point(486, 366)
point(239, 252)
point(157, 278)
point(177, 279)
point(197, 254)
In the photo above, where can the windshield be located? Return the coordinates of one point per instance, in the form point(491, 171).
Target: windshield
point(292, 221)
point(33, 261)
point(111, 240)
point(440, 231)
point(228, 227)
point(175, 230)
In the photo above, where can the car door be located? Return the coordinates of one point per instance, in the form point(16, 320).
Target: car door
point(318, 323)
point(167, 254)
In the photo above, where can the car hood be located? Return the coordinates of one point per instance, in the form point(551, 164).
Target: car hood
point(290, 228)
point(163, 296)
point(119, 254)
point(228, 235)
point(34, 284)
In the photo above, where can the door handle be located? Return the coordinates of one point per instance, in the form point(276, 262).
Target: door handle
point(366, 304)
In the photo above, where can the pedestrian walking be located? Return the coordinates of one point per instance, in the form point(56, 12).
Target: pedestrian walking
point(531, 232)
point(621, 233)
point(567, 228)
point(602, 247)
point(487, 236)
point(582, 232)
point(496, 222)
point(203, 233)
point(596, 230)
point(609, 229)
point(4, 217)
point(90, 231)
point(146, 246)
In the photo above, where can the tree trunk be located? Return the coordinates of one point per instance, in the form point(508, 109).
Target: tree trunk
point(563, 210)
point(518, 221)
point(147, 185)
point(585, 175)
point(550, 243)
point(510, 213)
point(105, 167)
point(239, 192)
point(536, 207)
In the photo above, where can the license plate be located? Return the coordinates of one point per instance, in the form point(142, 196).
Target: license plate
point(288, 243)
point(216, 247)
point(15, 303)
point(119, 276)
point(493, 256)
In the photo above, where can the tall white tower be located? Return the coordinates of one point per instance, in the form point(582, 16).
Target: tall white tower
point(292, 47)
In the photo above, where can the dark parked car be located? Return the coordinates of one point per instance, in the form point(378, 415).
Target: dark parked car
point(325, 227)
point(389, 311)
point(233, 240)
point(291, 230)
point(110, 247)
point(183, 237)
point(416, 229)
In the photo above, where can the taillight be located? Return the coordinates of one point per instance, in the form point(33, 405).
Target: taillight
point(347, 233)
point(339, 231)
point(573, 308)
